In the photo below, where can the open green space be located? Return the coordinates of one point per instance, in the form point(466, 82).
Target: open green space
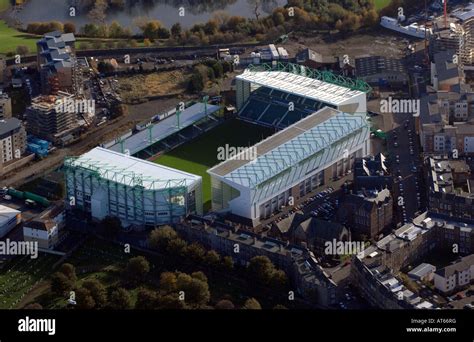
point(11, 38)
point(379, 4)
point(4, 5)
point(200, 154)
point(20, 275)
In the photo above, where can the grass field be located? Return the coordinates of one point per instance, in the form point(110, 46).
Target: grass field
point(200, 154)
point(11, 38)
point(379, 4)
point(20, 275)
point(4, 4)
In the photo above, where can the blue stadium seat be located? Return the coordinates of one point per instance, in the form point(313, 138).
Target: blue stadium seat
point(273, 114)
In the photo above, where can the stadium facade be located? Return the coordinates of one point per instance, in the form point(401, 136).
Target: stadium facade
point(108, 183)
point(290, 164)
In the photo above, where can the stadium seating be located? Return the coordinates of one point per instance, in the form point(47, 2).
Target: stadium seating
point(292, 117)
point(273, 114)
point(270, 107)
point(254, 109)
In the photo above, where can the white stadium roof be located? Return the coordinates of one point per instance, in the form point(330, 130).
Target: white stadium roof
point(301, 86)
point(317, 132)
point(131, 171)
point(164, 128)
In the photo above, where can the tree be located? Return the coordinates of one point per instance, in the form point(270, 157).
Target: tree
point(195, 288)
point(227, 263)
point(261, 269)
point(224, 304)
point(22, 50)
point(176, 30)
point(199, 275)
point(168, 282)
point(196, 83)
point(252, 304)
point(160, 238)
point(278, 18)
point(97, 291)
point(212, 258)
point(111, 224)
point(163, 33)
point(218, 69)
point(116, 30)
point(69, 271)
point(278, 280)
point(176, 247)
point(55, 26)
point(60, 283)
point(90, 30)
point(146, 299)
point(195, 252)
point(150, 29)
point(120, 299)
point(170, 302)
point(137, 268)
point(69, 27)
point(197, 292)
point(84, 299)
point(146, 42)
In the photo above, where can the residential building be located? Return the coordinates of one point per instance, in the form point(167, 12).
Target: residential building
point(3, 70)
point(46, 121)
point(445, 71)
point(449, 190)
point(5, 106)
point(56, 62)
point(45, 229)
point(367, 214)
point(446, 122)
point(455, 276)
point(12, 140)
point(304, 272)
point(372, 173)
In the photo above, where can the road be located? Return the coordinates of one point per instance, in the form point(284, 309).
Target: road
point(404, 150)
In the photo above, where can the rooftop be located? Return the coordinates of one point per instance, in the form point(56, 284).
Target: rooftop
point(9, 125)
point(7, 213)
point(301, 85)
point(307, 137)
point(459, 266)
point(164, 128)
point(131, 171)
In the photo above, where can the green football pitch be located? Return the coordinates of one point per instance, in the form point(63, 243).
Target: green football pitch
point(200, 154)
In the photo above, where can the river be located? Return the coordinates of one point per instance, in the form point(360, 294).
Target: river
point(166, 11)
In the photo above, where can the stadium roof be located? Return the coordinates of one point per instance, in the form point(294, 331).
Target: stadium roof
point(290, 146)
point(163, 129)
point(301, 85)
point(130, 171)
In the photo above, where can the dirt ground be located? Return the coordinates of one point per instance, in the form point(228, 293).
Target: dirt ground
point(378, 42)
point(154, 84)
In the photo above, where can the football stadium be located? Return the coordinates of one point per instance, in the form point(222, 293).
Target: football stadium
point(306, 127)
